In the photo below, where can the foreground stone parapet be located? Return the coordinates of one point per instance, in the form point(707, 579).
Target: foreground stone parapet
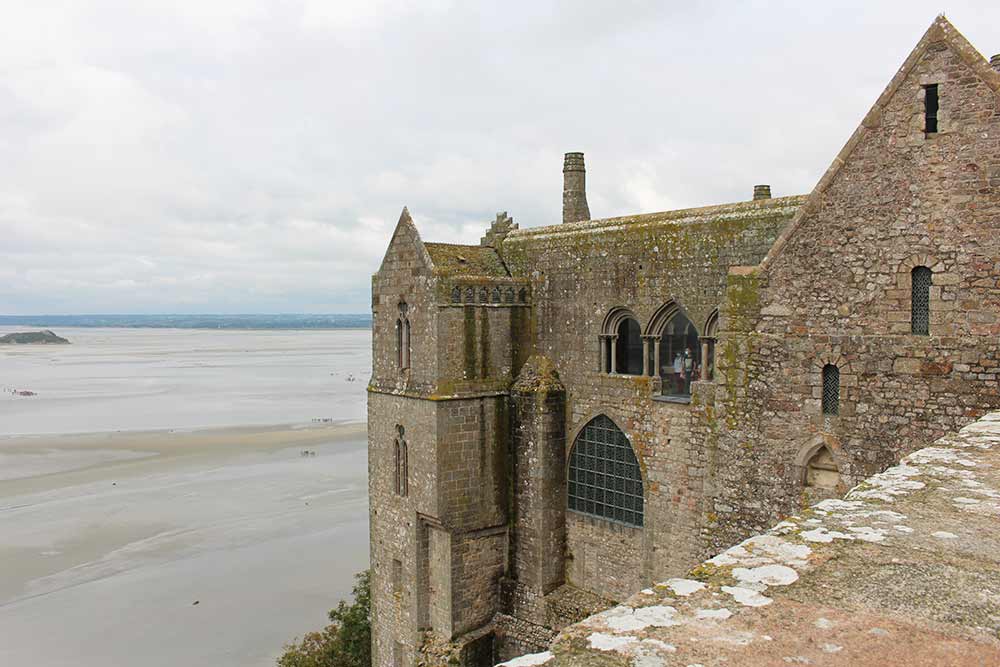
point(905, 569)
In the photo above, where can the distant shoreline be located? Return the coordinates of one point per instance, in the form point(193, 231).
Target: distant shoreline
point(239, 322)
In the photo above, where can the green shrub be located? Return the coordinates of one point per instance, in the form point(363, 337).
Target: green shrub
point(346, 642)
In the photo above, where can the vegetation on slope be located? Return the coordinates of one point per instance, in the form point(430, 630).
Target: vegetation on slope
point(346, 642)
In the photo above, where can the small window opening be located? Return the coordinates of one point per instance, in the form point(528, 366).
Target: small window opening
point(402, 472)
point(821, 471)
point(397, 576)
point(920, 301)
point(403, 337)
point(456, 295)
point(831, 390)
point(931, 108)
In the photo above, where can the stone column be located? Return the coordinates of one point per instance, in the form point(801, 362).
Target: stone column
point(645, 355)
point(539, 471)
point(704, 359)
point(614, 353)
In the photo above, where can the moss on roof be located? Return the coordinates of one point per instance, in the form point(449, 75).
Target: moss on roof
point(760, 208)
point(450, 259)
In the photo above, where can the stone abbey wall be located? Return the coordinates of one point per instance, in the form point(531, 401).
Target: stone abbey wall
point(490, 361)
point(836, 290)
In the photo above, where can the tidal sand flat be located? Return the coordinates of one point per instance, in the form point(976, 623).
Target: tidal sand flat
point(139, 526)
point(102, 564)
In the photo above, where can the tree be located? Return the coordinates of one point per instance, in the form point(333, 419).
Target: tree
point(346, 642)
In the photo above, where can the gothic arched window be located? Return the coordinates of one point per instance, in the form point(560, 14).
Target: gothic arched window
point(402, 467)
point(403, 337)
point(604, 476)
point(508, 295)
point(456, 295)
point(495, 295)
point(831, 390)
point(679, 355)
point(629, 348)
point(920, 300)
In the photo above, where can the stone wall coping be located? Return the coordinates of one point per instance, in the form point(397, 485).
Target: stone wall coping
point(903, 570)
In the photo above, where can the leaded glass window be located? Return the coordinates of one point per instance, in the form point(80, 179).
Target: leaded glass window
point(604, 476)
point(831, 390)
point(920, 300)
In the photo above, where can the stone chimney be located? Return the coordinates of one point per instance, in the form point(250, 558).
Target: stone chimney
point(761, 192)
point(995, 62)
point(575, 189)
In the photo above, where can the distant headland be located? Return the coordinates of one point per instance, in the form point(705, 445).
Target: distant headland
point(45, 337)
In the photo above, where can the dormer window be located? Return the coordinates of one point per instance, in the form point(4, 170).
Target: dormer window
point(931, 108)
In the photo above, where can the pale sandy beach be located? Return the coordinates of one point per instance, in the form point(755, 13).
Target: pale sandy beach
point(109, 538)
point(101, 563)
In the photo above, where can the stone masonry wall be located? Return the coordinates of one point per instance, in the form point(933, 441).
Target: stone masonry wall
point(578, 273)
point(836, 291)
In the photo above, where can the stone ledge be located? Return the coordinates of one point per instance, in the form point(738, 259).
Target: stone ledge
point(904, 570)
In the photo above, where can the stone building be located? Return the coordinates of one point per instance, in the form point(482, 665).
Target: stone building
point(561, 415)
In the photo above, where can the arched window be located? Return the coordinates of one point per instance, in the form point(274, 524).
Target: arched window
point(402, 467)
point(403, 337)
point(920, 300)
point(456, 295)
point(604, 476)
point(495, 295)
point(508, 295)
point(708, 346)
point(628, 348)
point(821, 470)
point(680, 355)
point(621, 343)
point(831, 390)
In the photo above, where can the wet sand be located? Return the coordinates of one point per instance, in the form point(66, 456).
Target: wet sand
point(108, 540)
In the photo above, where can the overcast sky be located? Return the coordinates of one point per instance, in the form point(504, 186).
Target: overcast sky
point(238, 156)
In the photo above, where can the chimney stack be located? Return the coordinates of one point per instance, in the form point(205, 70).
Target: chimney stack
point(575, 189)
point(761, 192)
point(995, 62)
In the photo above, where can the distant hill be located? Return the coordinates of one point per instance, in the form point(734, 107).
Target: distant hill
point(33, 338)
point(167, 321)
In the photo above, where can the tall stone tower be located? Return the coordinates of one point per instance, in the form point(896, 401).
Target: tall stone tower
point(445, 321)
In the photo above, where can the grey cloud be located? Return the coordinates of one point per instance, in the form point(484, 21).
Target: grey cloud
point(253, 156)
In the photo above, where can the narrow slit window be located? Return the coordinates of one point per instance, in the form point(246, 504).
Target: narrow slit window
point(920, 301)
point(831, 390)
point(931, 108)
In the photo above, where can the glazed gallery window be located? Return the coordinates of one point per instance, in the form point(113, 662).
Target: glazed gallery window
point(920, 301)
point(604, 476)
point(680, 356)
point(628, 348)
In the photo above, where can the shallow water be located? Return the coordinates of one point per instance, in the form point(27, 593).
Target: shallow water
point(140, 379)
point(107, 541)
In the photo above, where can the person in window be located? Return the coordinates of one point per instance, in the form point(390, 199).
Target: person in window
point(679, 373)
point(689, 368)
